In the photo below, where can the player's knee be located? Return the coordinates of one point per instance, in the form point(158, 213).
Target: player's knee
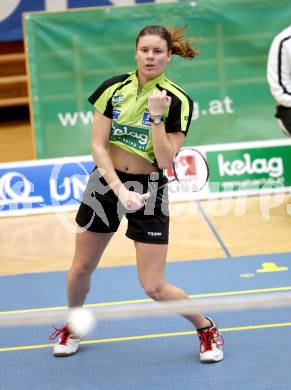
point(80, 272)
point(154, 291)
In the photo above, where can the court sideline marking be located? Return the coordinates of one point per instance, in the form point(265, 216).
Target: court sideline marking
point(214, 231)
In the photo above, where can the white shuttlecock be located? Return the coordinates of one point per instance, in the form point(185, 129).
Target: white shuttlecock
point(81, 321)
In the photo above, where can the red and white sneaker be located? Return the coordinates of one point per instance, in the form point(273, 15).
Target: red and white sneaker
point(211, 343)
point(67, 344)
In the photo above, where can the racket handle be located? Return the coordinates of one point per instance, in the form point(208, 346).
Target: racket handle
point(146, 196)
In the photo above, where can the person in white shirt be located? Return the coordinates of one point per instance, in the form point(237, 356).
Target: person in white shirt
point(279, 77)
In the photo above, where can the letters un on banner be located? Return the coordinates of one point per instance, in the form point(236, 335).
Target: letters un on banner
point(43, 186)
point(58, 184)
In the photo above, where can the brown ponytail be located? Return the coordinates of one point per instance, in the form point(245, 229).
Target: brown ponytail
point(180, 44)
point(176, 41)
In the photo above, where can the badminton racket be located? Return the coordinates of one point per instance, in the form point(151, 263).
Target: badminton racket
point(189, 168)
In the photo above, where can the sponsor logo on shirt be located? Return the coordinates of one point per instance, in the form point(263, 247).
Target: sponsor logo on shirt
point(146, 119)
point(115, 114)
point(117, 99)
point(134, 137)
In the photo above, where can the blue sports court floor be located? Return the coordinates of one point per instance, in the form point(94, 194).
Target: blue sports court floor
point(154, 353)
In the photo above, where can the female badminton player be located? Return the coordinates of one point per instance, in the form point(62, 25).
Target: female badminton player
point(140, 123)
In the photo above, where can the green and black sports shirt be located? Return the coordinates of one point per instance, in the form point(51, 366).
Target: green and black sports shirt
point(118, 99)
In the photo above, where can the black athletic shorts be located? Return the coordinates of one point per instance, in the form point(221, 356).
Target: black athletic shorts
point(101, 211)
point(284, 115)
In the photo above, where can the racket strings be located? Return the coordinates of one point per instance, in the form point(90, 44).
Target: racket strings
point(189, 169)
point(155, 191)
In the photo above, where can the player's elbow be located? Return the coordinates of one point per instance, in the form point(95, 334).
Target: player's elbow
point(98, 150)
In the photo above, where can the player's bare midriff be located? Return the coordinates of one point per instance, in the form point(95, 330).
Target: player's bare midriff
point(129, 162)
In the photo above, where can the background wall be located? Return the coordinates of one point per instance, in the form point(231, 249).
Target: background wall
point(71, 53)
point(11, 11)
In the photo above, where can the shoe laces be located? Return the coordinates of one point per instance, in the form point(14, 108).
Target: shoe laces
point(209, 337)
point(64, 334)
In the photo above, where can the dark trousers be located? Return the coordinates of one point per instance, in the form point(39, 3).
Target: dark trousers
point(284, 116)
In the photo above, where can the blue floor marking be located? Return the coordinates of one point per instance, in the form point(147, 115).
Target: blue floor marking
point(35, 290)
point(214, 231)
point(160, 363)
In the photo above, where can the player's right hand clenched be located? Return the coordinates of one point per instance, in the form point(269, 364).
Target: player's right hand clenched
point(131, 200)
